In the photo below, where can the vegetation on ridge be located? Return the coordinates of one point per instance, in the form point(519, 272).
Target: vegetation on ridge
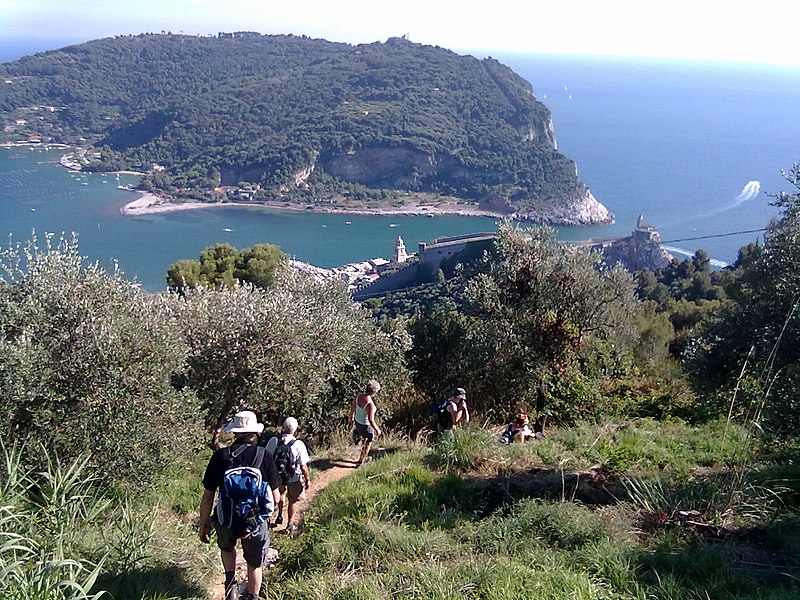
point(294, 118)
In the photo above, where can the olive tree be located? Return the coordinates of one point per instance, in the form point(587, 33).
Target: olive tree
point(86, 362)
point(299, 347)
point(535, 313)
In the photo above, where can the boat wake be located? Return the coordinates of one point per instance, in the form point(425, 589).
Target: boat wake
point(713, 261)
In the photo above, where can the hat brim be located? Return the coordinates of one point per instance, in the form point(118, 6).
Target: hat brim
point(259, 428)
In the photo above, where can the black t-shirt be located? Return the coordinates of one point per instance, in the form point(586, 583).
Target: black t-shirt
point(222, 460)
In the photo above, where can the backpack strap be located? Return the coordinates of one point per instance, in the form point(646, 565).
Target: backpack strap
point(233, 454)
point(259, 459)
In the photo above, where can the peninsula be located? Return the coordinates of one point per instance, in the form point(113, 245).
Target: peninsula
point(300, 124)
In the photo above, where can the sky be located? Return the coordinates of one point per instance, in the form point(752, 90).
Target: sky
point(757, 32)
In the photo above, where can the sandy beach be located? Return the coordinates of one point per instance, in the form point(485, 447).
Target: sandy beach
point(148, 203)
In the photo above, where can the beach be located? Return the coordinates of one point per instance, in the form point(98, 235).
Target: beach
point(148, 203)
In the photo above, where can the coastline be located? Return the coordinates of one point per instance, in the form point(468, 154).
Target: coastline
point(148, 203)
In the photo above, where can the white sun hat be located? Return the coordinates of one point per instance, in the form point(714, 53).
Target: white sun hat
point(244, 422)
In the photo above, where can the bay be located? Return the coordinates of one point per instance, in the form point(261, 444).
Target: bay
point(36, 195)
point(678, 143)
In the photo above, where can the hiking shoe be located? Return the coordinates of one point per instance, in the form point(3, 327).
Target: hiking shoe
point(232, 593)
point(278, 520)
point(292, 529)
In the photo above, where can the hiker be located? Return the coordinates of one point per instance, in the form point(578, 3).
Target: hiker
point(451, 412)
point(362, 414)
point(245, 476)
point(517, 430)
point(291, 461)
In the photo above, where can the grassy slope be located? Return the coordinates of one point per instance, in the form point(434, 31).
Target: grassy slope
point(471, 518)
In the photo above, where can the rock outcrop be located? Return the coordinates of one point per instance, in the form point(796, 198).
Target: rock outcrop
point(582, 210)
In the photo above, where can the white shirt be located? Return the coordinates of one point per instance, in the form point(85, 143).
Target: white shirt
point(298, 451)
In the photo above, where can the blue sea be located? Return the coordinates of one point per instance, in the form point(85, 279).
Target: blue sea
point(697, 148)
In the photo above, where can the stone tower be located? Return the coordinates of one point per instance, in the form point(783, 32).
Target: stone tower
point(399, 255)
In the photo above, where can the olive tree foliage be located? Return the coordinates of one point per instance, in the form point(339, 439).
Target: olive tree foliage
point(86, 360)
point(536, 312)
point(300, 347)
point(754, 343)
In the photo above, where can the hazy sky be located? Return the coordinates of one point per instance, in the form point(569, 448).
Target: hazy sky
point(764, 31)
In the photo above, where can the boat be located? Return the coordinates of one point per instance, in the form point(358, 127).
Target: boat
point(228, 229)
point(348, 222)
point(392, 224)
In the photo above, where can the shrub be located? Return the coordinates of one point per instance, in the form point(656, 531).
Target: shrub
point(86, 359)
point(301, 347)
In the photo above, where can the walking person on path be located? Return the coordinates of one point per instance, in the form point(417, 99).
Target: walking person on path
point(245, 476)
point(362, 415)
point(290, 456)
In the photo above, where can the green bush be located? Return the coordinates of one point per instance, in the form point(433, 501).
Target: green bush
point(300, 348)
point(86, 361)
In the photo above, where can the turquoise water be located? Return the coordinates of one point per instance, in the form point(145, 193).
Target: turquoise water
point(37, 195)
point(678, 143)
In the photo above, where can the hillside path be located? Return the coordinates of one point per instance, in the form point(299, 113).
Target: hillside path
point(326, 471)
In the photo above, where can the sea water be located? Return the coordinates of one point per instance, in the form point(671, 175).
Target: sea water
point(681, 144)
point(696, 148)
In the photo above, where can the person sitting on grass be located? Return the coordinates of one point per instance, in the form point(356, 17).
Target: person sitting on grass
point(362, 415)
point(518, 430)
point(452, 412)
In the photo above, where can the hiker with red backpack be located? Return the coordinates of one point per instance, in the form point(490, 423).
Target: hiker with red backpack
point(290, 456)
point(247, 481)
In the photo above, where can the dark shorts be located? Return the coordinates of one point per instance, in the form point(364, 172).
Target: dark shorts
point(365, 431)
point(254, 546)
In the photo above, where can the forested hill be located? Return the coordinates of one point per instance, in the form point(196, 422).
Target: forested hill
point(302, 118)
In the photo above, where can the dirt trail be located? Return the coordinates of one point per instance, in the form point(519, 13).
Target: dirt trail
point(326, 471)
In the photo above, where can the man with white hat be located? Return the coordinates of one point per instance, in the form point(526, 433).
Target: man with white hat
point(243, 452)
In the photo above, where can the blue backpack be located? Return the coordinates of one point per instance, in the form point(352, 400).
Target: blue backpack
point(245, 500)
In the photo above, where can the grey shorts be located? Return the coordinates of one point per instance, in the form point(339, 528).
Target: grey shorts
point(365, 431)
point(254, 546)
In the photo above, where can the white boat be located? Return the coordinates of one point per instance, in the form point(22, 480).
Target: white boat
point(348, 223)
point(227, 229)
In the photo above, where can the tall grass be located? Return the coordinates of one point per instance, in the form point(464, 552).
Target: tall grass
point(66, 535)
point(460, 520)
